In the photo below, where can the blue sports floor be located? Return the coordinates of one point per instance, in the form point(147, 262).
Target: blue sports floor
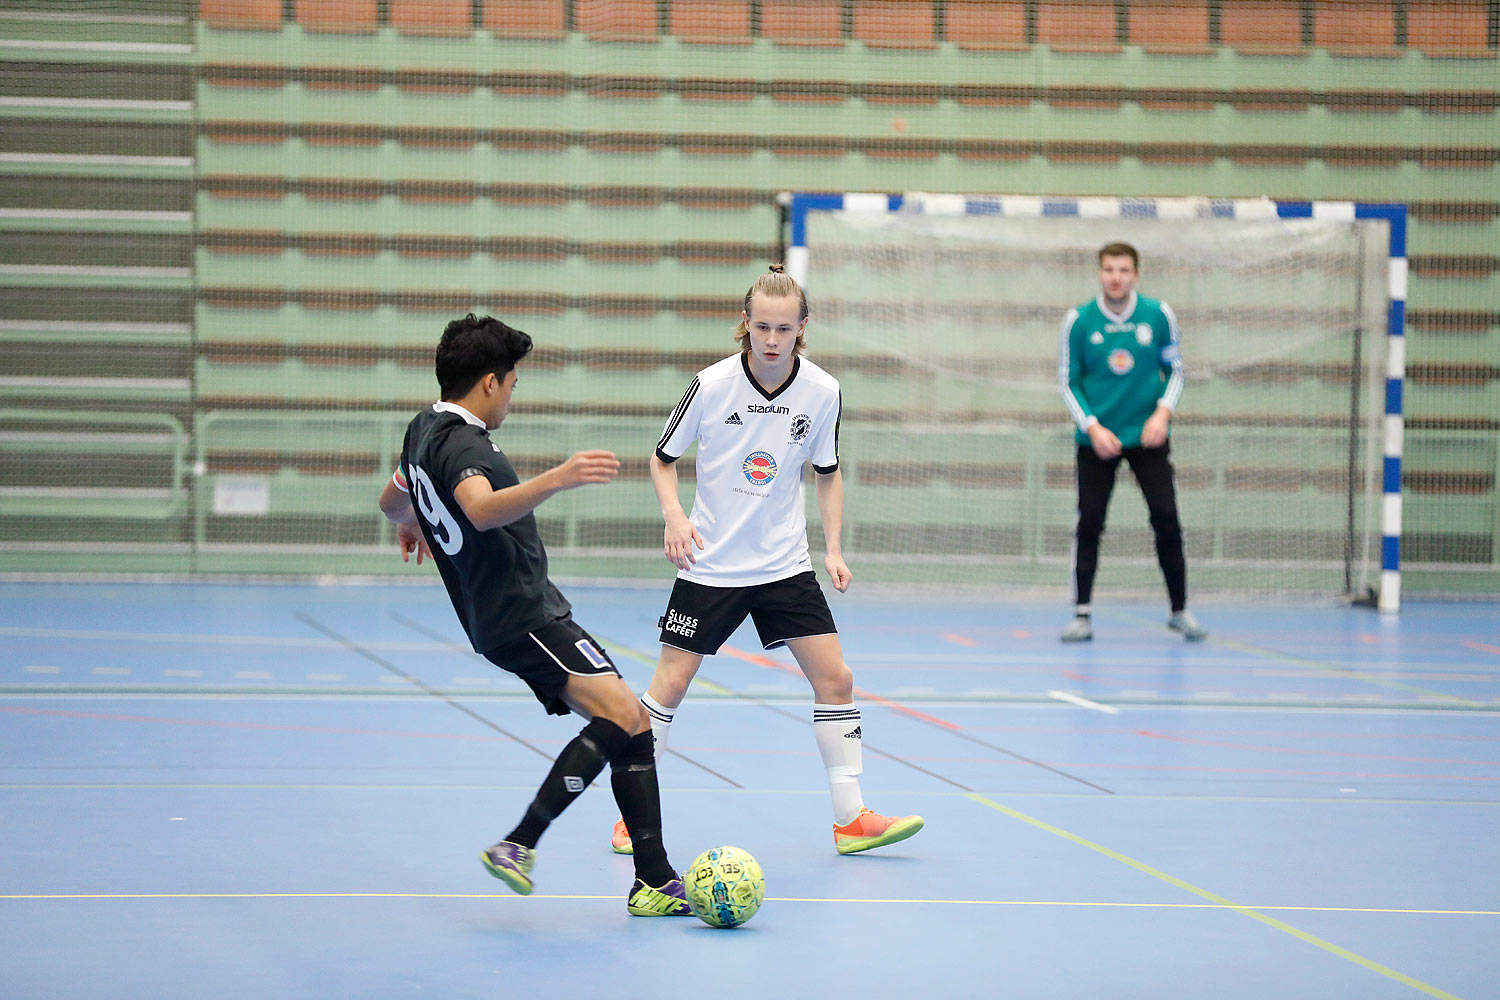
point(282, 791)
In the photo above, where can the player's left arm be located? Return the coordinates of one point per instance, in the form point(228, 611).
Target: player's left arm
point(395, 504)
point(1154, 432)
point(831, 509)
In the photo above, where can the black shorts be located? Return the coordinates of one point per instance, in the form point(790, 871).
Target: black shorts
point(699, 619)
point(546, 657)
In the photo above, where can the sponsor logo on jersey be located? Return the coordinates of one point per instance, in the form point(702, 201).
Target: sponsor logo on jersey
point(1096, 337)
point(1121, 361)
point(1118, 327)
point(758, 408)
point(734, 420)
point(801, 425)
point(681, 624)
point(759, 467)
point(1143, 334)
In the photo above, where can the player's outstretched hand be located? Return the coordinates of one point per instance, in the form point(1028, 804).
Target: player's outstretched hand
point(838, 572)
point(585, 467)
point(1105, 444)
point(409, 538)
point(678, 540)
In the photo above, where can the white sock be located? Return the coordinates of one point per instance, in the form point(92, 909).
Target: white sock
point(661, 722)
point(836, 728)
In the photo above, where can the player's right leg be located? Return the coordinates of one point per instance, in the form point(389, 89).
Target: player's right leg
point(1096, 481)
point(697, 622)
point(569, 672)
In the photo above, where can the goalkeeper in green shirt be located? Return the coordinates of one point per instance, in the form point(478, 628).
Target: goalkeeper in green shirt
point(1121, 375)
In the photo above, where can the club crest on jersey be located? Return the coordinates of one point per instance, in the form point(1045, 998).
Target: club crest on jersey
point(1121, 361)
point(801, 425)
point(759, 467)
point(1143, 334)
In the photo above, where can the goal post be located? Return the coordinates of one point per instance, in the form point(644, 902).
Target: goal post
point(940, 314)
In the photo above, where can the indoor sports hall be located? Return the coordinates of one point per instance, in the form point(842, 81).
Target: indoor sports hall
point(246, 749)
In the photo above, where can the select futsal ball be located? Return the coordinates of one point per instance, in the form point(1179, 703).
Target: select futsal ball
point(724, 886)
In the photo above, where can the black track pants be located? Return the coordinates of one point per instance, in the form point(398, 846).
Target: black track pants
point(1096, 481)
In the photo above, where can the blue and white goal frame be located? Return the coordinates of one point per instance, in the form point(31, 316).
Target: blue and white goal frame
point(799, 205)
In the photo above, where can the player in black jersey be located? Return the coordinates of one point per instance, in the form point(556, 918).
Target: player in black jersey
point(456, 497)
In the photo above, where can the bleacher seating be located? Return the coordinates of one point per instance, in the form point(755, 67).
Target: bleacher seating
point(338, 185)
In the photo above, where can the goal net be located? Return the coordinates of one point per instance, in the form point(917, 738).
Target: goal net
point(941, 316)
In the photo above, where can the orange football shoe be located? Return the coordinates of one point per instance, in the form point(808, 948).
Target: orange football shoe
point(870, 829)
point(619, 841)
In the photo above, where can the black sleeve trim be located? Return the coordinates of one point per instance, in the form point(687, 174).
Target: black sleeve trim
point(828, 471)
point(677, 415)
point(666, 459)
point(472, 470)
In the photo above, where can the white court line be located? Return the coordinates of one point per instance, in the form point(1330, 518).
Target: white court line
point(175, 672)
point(36, 668)
point(252, 675)
point(111, 671)
point(217, 639)
point(325, 677)
point(1073, 699)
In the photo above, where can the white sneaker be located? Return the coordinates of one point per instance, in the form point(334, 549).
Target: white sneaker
point(1184, 622)
point(1080, 629)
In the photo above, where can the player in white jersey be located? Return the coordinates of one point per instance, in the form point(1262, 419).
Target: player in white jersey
point(757, 417)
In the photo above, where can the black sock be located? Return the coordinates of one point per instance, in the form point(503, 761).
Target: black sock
point(633, 778)
point(579, 763)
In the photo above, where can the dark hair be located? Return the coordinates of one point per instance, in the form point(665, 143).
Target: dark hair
point(1121, 250)
point(776, 284)
point(473, 347)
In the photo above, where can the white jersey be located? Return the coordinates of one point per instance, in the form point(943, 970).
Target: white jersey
point(751, 448)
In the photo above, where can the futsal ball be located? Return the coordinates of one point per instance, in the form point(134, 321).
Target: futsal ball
point(724, 886)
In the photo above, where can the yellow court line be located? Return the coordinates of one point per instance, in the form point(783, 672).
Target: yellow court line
point(1213, 897)
point(769, 899)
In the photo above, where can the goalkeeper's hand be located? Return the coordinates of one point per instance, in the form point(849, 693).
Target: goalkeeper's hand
point(1105, 444)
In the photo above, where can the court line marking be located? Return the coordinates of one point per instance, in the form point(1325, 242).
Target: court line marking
point(355, 647)
point(771, 707)
point(1099, 904)
point(1073, 699)
point(422, 629)
point(1343, 800)
point(1334, 669)
point(209, 638)
point(896, 706)
point(952, 728)
point(1221, 901)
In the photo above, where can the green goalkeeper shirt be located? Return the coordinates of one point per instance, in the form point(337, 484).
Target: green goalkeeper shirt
point(1116, 369)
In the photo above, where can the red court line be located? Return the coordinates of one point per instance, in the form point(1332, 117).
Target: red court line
point(958, 640)
point(1221, 745)
point(896, 706)
point(1481, 645)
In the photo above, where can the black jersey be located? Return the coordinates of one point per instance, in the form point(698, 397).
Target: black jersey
point(497, 579)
